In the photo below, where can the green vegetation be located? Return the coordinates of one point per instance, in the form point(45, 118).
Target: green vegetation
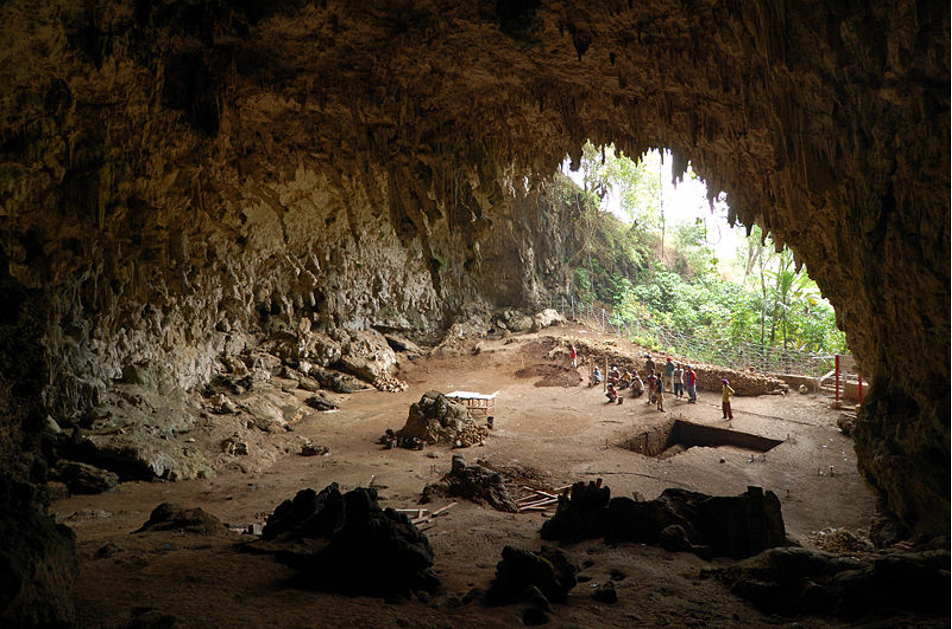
point(663, 281)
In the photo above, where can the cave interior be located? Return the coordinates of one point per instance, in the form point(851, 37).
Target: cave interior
point(182, 179)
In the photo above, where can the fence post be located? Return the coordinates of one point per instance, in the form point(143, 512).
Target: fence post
point(837, 376)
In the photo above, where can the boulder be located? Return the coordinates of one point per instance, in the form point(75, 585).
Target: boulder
point(295, 347)
point(334, 381)
point(172, 516)
point(733, 526)
point(794, 581)
point(321, 403)
point(82, 478)
point(522, 574)
point(472, 482)
point(346, 542)
point(547, 318)
point(605, 593)
point(367, 355)
point(401, 344)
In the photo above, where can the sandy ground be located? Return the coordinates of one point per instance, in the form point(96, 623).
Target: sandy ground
point(554, 434)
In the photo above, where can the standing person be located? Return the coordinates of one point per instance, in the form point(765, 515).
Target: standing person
point(659, 391)
point(669, 375)
point(574, 353)
point(690, 377)
point(652, 380)
point(649, 364)
point(726, 393)
point(678, 381)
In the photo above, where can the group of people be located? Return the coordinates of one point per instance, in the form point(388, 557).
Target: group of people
point(618, 380)
point(681, 380)
point(675, 378)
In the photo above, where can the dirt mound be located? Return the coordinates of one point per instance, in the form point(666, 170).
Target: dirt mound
point(551, 375)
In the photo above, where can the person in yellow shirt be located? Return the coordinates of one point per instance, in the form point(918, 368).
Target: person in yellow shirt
point(726, 393)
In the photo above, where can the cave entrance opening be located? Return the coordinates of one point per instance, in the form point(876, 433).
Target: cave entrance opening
point(653, 255)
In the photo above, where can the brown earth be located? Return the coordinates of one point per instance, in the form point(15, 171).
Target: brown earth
point(544, 435)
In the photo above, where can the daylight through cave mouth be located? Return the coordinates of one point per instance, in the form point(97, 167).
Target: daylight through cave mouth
point(676, 435)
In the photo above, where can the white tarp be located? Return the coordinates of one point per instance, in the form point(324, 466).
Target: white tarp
point(469, 395)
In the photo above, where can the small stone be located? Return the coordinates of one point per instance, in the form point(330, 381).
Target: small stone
point(605, 593)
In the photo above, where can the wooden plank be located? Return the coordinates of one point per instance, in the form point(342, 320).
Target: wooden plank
point(443, 510)
point(539, 491)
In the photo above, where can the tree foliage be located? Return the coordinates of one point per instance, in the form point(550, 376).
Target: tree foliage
point(615, 262)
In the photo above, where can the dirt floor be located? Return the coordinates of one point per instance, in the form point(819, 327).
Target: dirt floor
point(548, 429)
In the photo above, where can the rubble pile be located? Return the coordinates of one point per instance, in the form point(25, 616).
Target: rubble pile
point(347, 543)
point(679, 520)
point(390, 384)
point(437, 419)
point(472, 482)
point(841, 540)
point(795, 581)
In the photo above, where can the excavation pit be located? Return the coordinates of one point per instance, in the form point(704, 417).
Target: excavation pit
point(676, 435)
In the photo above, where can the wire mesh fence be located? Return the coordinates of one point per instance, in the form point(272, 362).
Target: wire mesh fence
point(742, 355)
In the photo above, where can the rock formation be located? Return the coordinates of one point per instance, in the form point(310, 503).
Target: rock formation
point(678, 520)
point(182, 179)
point(346, 542)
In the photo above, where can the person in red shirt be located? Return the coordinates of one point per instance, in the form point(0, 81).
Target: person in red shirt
point(690, 383)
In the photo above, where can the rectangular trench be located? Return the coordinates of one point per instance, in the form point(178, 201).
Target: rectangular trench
point(676, 435)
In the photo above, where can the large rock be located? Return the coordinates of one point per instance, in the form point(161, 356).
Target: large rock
point(82, 478)
point(367, 355)
point(172, 516)
point(733, 526)
point(796, 581)
point(522, 573)
point(472, 482)
point(346, 542)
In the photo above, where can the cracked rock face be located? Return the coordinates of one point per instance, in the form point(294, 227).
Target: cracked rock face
point(182, 179)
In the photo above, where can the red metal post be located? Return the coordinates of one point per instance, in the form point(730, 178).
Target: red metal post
point(837, 376)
